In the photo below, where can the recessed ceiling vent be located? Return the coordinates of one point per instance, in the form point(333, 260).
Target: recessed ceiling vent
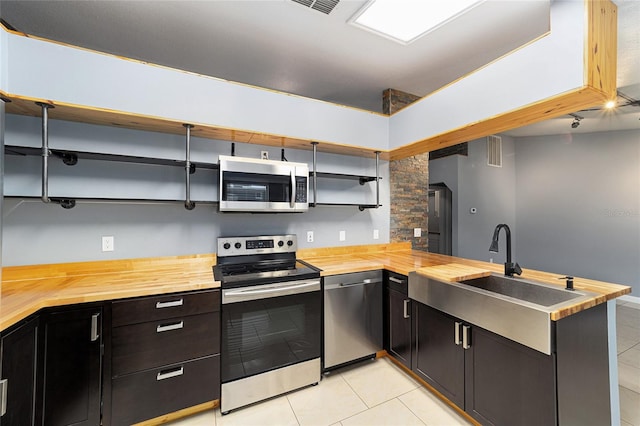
point(324, 6)
point(494, 151)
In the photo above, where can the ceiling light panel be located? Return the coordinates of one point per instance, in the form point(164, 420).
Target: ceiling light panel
point(405, 21)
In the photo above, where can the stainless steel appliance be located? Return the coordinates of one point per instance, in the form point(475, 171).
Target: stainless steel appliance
point(352, 317)
point(440, 230)
point(271, 319)
point(255, 185)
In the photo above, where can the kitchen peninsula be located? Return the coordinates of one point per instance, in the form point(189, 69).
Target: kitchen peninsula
point(27, 290)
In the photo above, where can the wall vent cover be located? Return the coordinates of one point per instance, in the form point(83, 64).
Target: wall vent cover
point(324, 6)
point(494, 151)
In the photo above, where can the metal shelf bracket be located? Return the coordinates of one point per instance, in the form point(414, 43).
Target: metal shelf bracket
point(189, 168)
point(46, 153)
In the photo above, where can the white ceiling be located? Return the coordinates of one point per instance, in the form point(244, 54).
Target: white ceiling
point(283, 45)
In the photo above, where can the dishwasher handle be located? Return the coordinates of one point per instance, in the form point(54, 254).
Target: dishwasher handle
point(367, 281)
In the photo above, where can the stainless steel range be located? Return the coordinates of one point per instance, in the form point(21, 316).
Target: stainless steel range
point(271, 319)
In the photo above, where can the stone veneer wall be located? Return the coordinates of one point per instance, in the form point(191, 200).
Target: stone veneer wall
point(409, 184)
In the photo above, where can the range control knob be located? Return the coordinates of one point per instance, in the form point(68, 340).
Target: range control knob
point(238, 246)
point(226, 246)
point(280, 243)
point(290, 243)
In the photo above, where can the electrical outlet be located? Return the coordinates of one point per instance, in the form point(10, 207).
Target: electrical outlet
point(376, 234)
point(417, 232)
point(108, 243)
point(309, 236)
point(264, 155)
point(343, 235)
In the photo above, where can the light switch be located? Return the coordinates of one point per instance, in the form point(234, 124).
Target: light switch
point(417, 232)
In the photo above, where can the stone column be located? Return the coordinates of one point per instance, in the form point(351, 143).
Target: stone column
point(409, 184)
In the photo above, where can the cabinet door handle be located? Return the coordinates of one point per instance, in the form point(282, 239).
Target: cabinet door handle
point(169, 327)
point(396, 280)
point(94, 327)
point(4, 384)
point(406, 308)
point(169, 304)
point(466, 339)
point(167, 374)
point(456, 331)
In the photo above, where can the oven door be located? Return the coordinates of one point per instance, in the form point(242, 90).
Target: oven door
point(252, 185)
point(270, 326)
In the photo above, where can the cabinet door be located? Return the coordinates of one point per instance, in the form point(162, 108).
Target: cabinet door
point(508, 383)
point(436, 358)
point(399, 307)
point(72, 367)
point(19, 357)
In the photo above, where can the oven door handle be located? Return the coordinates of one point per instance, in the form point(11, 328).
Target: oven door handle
point(245, 294)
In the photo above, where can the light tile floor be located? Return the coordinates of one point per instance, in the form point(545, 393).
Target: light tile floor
point(370, 393)
point(379, 393)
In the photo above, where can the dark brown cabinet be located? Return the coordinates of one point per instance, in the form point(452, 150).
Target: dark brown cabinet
point(437, 359)
point(18, 363)
point(70, 372)
point(398, 333)
point(165, 355)
point(495, 380)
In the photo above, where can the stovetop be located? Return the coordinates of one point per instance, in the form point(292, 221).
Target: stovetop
point(247, 261)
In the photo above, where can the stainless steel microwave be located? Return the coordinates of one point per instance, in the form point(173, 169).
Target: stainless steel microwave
point(255, 185)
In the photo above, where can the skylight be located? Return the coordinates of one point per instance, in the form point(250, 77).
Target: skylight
point(405, 21)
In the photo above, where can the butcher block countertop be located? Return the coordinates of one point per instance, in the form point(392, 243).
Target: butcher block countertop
point(26, 289)
point(398, 257)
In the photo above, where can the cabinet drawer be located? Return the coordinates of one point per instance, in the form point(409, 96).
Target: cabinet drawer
point(397, 282)
point(142, 396)
point(154, 308)
point(153, 344)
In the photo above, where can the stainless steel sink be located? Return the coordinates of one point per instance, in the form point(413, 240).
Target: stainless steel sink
point(515, 308)
point(524, 290)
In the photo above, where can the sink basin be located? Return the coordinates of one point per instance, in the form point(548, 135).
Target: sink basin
point(528, 291)
point(516, 308)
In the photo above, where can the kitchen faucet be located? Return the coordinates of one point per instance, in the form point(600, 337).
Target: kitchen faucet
point(510, 268)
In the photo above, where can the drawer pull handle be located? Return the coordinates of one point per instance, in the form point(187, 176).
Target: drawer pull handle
point(169, 304)
point(170, 373)
point(396, 280)
point(169, 327)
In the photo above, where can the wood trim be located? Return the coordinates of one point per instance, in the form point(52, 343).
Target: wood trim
point(180, 414)
point(601, 46)
point(433, 390)
point(549, 108)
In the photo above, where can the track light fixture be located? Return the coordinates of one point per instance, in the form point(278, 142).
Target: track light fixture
point(576, 120)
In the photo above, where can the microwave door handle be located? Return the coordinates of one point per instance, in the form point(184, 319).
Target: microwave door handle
point(293, 187)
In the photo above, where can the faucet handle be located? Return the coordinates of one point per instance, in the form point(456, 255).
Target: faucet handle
point(517, 269)
point(569, 282)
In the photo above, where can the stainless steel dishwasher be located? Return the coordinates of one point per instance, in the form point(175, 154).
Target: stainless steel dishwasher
point(352, 317)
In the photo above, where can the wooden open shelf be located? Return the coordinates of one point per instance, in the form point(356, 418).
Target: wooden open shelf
point(22, 105)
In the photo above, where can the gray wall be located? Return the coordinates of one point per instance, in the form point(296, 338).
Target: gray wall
point(38, 233)
point(572, 201)
point(491, 190)
point(445, 170)
point(578, 205)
